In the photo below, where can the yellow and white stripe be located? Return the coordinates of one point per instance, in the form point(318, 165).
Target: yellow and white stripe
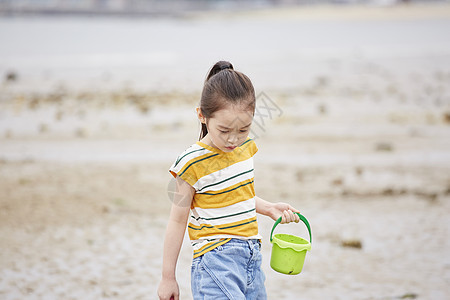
point(224, 205)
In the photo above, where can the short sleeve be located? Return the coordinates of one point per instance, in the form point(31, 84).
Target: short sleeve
point(183, 166)
point(184, 173)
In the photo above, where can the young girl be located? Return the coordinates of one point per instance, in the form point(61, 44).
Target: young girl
point(216, 196)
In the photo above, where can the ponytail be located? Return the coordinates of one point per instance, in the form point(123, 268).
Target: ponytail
point(219, 66)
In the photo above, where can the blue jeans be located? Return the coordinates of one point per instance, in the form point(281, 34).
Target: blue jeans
point(231, 271)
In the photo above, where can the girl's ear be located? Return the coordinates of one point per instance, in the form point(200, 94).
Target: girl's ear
point(200, 115)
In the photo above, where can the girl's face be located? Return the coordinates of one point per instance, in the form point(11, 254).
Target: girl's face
point(228, 128)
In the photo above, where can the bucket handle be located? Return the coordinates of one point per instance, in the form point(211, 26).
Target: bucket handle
point(301, 218)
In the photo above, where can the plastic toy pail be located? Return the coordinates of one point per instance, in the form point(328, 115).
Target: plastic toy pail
point(289, 251)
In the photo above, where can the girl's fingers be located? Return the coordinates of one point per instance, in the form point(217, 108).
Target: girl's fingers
point(287, 216)
point(283, 218)
point(291, 216)
point(294, 211)
point(296, 218)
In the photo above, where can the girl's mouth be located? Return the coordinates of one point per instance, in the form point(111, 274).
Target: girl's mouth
point(230, 148)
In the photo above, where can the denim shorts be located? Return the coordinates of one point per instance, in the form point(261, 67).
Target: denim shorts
point(231, 271)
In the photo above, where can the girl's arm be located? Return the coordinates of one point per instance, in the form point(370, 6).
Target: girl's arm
point(176, 227)
point(276, 210)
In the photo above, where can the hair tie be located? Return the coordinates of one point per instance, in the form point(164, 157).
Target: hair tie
point(224, 67)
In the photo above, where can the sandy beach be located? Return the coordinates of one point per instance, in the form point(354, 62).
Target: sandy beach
point(352, 125)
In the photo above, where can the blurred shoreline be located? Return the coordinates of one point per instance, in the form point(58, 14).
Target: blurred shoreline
point(177, 8)
point(298, 45)
point(187, 10)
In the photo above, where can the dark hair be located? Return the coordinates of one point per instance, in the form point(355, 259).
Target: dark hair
point(223, 86)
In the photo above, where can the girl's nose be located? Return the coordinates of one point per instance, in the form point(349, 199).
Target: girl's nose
point(232, 138)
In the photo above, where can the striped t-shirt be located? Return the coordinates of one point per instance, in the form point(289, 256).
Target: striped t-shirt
point(223, 206)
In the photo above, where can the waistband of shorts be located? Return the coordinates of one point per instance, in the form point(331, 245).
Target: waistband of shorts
point(242, 243)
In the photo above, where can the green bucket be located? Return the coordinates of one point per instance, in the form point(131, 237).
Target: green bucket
point(289, 251)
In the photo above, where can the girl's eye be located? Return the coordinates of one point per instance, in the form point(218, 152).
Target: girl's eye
point(223, 131)
point(244, 130)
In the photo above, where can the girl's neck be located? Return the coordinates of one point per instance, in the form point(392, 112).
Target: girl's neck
point(207, 141)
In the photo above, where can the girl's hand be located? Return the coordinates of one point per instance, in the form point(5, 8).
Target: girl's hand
point(168, 290)
point(285, 211)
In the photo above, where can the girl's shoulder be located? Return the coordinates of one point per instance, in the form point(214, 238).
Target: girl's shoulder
point(184, 165)
point(191, 152)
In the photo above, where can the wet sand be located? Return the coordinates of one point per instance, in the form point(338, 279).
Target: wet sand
point(361, 147)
